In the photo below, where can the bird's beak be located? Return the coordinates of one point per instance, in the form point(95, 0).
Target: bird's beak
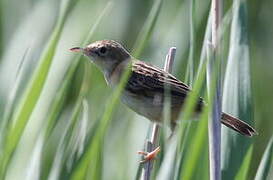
point(85, 51)
point(76, 49)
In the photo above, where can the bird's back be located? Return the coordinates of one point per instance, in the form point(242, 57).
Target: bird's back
point(144, 92)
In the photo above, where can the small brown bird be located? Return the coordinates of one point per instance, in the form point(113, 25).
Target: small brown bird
point(146, 83)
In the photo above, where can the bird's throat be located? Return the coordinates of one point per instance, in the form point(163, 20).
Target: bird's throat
point(113, 77)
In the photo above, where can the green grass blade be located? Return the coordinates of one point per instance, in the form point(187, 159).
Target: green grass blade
point(196, 150)
point(56, 105)
point(243, 172)
point(266, 165)
point(94, 148)
point(72, 140)
point(188, 165)
point(167, 168)
point(190, 65)
point(236, 93)
point(75, 120)
point(193, 152)
point(32, 92)
point(62, 91)
point(140, 44)
point(13, 96)
point(147, 29)
point(1, 28)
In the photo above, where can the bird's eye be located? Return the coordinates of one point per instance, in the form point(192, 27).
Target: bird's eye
point(102, 50)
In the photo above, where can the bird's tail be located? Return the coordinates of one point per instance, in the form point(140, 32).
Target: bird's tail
point(237, 125)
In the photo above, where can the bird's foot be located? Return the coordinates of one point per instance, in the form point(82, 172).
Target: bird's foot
point(148, 156)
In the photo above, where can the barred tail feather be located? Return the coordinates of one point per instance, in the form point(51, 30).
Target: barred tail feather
point(238, 125)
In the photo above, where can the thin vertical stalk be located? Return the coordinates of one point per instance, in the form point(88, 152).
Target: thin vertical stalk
point(151, 145)
point(215, 9)
point(214, 89)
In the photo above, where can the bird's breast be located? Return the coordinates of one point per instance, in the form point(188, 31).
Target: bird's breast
point(145, 106)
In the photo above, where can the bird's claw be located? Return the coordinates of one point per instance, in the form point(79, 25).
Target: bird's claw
point(148, 156)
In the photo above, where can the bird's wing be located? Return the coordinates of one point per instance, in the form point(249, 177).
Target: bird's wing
point(149, 80)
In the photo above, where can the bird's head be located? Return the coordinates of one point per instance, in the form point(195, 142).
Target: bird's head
point(106, 54)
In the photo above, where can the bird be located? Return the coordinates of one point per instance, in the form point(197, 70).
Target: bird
point(146, 84)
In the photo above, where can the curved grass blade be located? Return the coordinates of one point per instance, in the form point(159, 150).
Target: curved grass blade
point(139, 46)
point(191, 164)
point(62, 91)
point(196, 149)
point(266, 165)
point(189, 158)
point(237, 98)
point(190, 65)
point(91, 157)
point(32, 92)
point(56, 105)
point(72, 139)
point(147, 29)
point(243, 172)
point(80, 103)
point(167, 168)
point(9, 107)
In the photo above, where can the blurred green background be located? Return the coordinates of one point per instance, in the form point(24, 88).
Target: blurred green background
point(52, 101)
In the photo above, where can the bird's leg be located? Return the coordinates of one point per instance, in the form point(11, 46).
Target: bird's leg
point(148, 156)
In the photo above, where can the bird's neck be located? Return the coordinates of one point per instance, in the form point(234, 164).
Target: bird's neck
point(113, 77)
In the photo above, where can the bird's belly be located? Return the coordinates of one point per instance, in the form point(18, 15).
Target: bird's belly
point(143, 106)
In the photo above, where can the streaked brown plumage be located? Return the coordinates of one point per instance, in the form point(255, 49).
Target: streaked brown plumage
point(145, 88)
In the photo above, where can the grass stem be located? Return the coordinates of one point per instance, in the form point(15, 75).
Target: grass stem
point(214, 87)
point(151, 145)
